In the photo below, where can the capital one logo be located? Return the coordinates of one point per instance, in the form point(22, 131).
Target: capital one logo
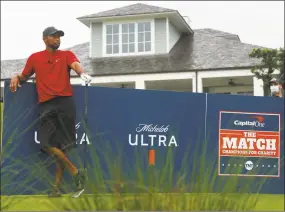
point(79, 138)
point(258, 122)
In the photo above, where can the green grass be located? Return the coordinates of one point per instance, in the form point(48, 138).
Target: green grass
point(35, 203)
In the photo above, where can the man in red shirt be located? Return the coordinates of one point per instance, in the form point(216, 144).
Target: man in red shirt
point(56, 105)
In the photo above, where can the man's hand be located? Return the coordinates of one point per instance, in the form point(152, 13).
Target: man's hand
point(86, 78)
point(76, 66)
point(15, 83)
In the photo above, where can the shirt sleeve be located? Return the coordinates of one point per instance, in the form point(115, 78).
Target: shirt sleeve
point(29, 68)
point(71, 58)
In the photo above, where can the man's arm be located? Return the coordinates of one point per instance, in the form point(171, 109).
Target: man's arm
point(77, 67)
point(16, 81)
point(22, 77)
point(74, 63)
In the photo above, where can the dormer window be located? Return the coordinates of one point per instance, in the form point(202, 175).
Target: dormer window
point(112, 39)
point(129, 38)
point(144, 37)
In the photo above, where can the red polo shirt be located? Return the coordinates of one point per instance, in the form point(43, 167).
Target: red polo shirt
point(52, 72)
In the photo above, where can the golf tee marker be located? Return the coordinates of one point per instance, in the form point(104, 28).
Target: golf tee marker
point(151, 157)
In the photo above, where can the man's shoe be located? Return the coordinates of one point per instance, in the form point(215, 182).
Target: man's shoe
point(54, 192)
point(79, 180)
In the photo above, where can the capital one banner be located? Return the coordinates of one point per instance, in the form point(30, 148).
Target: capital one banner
point(254, 137)
point(125, 126)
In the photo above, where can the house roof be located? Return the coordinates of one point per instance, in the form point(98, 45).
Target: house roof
point(137, 10)
point(217, 33)
point(206, 49)
point(134, 9)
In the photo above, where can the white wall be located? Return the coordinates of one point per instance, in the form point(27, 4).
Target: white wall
point(138, 77)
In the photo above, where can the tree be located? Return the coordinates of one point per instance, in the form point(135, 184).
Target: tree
point(272, 59)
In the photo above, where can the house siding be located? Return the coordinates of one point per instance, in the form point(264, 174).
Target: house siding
point(160, 36)
point(97, 40)
point(174, 35)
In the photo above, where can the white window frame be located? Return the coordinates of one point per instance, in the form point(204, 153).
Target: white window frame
point(128, 43)
point(136, 53)
point(118, 34)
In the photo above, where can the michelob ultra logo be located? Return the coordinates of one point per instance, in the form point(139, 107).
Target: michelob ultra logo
point(150, 135)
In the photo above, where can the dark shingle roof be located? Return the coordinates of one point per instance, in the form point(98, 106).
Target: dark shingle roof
point(134, 9)
point(217, 33)
point(201, 51)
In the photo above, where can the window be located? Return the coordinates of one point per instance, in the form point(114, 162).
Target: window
point(112, 39)
point(144, 37)
point(128, 38)
point(246, 93)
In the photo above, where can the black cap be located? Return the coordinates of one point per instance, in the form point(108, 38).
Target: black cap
point(51, 31)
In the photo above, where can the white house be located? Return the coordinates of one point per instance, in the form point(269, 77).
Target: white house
point(148, 47)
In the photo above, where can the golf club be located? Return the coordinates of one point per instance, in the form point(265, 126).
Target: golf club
point(85, 119)
point(78, 194)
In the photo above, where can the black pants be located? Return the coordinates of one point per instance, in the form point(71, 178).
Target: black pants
point(57, 124)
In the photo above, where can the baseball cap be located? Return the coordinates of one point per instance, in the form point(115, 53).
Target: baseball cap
point(51, 31)
point(273, 80)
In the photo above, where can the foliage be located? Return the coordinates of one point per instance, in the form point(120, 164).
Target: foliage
point(271, 60)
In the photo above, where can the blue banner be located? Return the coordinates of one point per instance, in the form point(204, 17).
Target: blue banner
point(250, 136)
point(128, 128)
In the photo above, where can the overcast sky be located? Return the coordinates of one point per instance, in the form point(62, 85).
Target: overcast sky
point(260, 23)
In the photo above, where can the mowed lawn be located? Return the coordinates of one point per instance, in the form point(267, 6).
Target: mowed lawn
point(43, 203)
point(266, 202)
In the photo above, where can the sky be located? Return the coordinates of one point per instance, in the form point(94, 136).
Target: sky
point(256, 22)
